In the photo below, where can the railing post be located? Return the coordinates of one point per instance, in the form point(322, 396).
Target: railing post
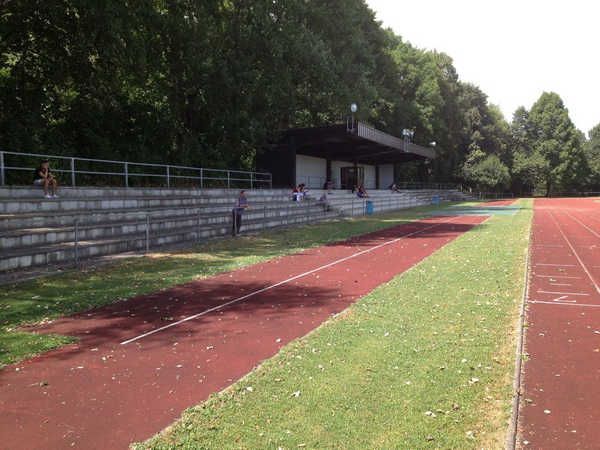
point(126, 175)
point(264, 217)
point(147, 233)
point(73, 172)
point(201, 178)
point(2, 180)
point(228, 180)
point(168, 176)
point(76, 243)
point(198, 228)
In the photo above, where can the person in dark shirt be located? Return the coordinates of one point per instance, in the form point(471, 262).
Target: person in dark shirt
point(42, 176)
point(241, 205)
point(362, 192)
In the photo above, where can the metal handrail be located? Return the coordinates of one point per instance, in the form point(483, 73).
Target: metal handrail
point(427, 185)
point(255, 179)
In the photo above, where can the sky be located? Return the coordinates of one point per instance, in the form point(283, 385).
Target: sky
point(513, 50)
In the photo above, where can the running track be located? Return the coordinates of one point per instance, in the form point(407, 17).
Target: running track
point(560, 385)
point(142, 361)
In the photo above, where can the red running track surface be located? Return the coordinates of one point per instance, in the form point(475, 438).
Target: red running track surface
point(120, 385)
point(560, 393)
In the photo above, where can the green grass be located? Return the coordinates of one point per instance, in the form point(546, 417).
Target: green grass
point(35, 301)
point(425, 361)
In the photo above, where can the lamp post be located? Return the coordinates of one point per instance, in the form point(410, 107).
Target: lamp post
point(408, 135)
point(350, 120)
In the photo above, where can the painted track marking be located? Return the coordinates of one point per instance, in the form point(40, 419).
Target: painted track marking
point(563, 303)
point(573, 249)
point(251, 294)
point(561, 293)
point(556, 276)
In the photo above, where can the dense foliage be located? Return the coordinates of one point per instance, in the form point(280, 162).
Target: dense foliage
point(211, 83)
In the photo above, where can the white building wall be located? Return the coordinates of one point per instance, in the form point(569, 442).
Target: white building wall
point(369, 177)
point(386, 175)
point(336, 171)
point(313, 173)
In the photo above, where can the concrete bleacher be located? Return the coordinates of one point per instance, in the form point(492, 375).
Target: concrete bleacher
point(91, 223)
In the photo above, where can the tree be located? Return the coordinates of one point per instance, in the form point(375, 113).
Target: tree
point(486, 173)
point(592, 156)
point(555, 140)
point(484, 148)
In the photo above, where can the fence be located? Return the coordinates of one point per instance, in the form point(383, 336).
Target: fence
point(156, 233)
point(99, 172)
point(410, 185)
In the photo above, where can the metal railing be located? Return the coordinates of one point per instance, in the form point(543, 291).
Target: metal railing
point(424, 185)
point(256, 221)
point(124, 172)
point(317, 182)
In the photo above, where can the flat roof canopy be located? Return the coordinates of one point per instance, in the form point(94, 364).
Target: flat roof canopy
point(362, 145)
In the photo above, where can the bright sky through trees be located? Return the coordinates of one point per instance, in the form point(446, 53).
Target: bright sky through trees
point(514, 50)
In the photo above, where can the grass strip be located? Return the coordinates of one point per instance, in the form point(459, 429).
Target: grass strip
point(43, 299)
point(425, 361)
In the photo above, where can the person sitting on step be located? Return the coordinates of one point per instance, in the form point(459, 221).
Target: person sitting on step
point(42, 176)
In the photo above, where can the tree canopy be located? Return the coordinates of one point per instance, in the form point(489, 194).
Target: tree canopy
point(211, 84)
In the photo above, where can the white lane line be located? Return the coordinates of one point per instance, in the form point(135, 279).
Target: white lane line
point(556, 276)
point(561, 293)
point(280, 283)
point(560, 284)
point(573, 249)
point(555, 265)
point(563, 304)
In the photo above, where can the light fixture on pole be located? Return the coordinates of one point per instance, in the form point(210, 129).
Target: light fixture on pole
point(408, 135)
point(350, 120)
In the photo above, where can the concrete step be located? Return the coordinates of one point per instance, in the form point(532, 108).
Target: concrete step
point(132, 223)
point(32, 192)
point(35, 232)
point(61, 218)
point(57, 253)
point(64, 204)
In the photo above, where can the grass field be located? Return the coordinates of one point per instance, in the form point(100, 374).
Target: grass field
point(425, 361)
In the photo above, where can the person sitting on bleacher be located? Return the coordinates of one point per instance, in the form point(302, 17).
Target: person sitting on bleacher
point(362, 192)
point(324, 202)
point(42, 176)
point(298, 193)
point(392, 187)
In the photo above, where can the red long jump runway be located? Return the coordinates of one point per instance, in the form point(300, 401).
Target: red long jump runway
point(142, 361)
point(561, 380)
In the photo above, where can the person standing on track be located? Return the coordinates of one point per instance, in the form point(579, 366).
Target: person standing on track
point(241, 205)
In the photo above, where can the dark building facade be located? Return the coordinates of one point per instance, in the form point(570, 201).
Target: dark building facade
point(347, 155)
